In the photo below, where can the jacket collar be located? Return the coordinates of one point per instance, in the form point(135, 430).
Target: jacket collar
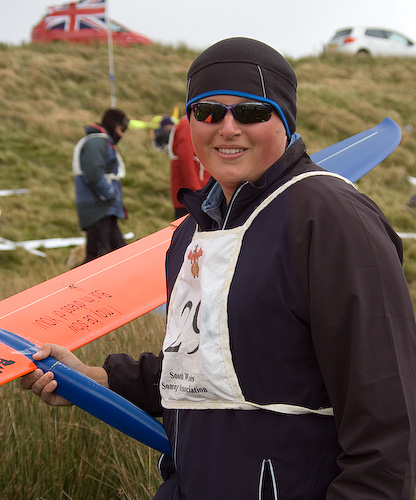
point(207, 206)
point(95, 128)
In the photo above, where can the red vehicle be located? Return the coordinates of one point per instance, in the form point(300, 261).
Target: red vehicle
point(83, 21)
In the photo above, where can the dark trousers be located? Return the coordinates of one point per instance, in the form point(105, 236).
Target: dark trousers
point(103, 237)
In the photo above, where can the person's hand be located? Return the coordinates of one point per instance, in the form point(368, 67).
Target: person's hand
point(44, 384)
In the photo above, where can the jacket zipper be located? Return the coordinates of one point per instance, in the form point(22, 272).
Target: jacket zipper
point(267, 473)
point(175, 444)
point(230, 206)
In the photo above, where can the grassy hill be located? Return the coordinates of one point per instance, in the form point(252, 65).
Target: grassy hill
point(48, 94)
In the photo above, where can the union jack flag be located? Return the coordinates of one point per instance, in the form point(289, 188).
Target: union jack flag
point(74, 16)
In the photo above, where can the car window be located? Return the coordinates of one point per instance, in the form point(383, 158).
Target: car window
point(395, 37)
point(116, 28)
point(345, 32)
point(376, 33)
point(60, 26)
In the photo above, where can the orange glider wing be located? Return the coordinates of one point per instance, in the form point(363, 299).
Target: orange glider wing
point(78, 306)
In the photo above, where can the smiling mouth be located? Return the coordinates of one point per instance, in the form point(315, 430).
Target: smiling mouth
point(230, 151)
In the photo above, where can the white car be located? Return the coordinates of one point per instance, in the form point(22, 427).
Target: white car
point(371, 41)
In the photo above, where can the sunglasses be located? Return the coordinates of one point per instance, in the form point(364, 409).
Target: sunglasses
point(244, 112)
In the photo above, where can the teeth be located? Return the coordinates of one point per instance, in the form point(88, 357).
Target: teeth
point(230, 151)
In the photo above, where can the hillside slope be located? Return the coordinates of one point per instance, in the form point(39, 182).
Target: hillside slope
point(47, 95)
point(50, 92)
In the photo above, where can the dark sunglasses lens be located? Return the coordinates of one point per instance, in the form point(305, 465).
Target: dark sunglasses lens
point(253, 112)
point(208, 112)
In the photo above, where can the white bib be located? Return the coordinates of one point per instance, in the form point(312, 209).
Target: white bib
point(197, 369)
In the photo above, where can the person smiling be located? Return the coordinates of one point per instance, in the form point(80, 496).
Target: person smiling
point(235, 150)
point(287, 368)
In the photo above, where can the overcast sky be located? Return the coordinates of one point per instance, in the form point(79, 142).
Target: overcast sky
point(294, 28)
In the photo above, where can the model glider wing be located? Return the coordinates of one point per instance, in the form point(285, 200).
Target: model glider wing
point(91, 300)
point(354, 157)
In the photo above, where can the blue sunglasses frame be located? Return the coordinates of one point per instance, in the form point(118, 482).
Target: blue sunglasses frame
point(244, 112)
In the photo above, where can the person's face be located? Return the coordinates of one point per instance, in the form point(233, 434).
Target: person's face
point(233, 152)
point(120, 130)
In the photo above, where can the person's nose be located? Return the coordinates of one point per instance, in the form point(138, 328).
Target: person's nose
point(229, 125)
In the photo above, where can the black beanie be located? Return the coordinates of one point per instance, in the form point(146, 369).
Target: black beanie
point(111, 118)
point(246, 68)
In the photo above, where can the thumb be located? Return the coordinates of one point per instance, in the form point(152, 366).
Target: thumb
point(57, 352)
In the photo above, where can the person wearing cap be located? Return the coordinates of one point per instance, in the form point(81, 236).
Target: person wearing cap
point(97, 168)
point(160, 135)
point(287, 369)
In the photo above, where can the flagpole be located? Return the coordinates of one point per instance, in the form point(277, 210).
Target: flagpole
point(110, 60)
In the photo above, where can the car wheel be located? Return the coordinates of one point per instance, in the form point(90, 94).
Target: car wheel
point(363, 53)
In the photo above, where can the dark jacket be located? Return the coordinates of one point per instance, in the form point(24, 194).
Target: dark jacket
point(319, 315)
point(96, 168)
